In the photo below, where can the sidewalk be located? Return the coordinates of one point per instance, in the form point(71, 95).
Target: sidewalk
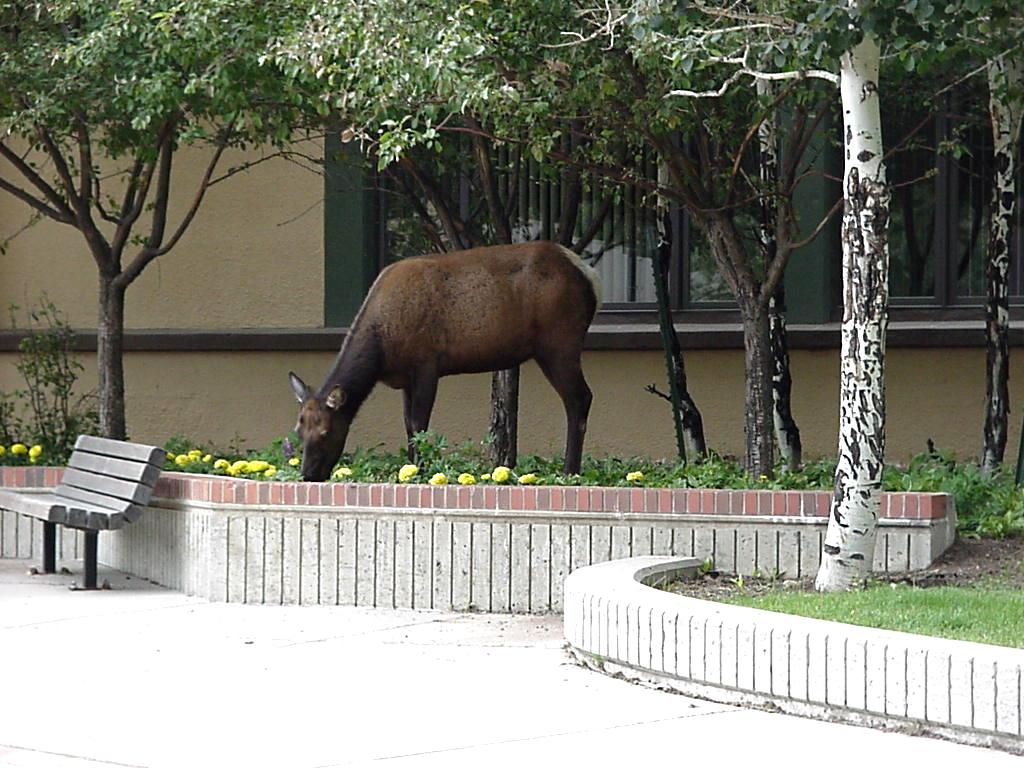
point(142, 676)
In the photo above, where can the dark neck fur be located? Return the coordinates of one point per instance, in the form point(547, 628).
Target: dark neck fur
point(356, 368)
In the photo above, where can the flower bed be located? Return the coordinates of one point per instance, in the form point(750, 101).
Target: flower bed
point(482, 547)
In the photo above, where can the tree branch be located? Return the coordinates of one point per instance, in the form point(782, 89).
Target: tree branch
point(36, 203)
point(502, 228)
point(436, 200)
point(57, 202)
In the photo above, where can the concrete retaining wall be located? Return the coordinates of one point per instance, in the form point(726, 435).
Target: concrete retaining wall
point(502, 549)
point(967, 691)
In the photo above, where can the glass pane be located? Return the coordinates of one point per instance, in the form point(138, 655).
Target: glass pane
point(912, 176)
point(973, 185)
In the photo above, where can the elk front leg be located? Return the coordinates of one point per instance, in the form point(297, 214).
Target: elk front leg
point(418, 401)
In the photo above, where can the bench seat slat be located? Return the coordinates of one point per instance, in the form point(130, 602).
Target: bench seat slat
point(121, 450)
point(133, 471)
point(124, 490)
point(41, 506)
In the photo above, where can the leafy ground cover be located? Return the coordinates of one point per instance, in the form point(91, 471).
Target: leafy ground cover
point(975, 591)
point(986, 506)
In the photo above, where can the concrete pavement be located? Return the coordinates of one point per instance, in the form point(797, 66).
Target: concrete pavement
point(143, 676)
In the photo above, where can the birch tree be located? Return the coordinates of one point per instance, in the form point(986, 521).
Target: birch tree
point(1005, 74)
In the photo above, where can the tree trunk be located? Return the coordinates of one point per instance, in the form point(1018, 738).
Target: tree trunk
point(504, 426)
point(849, 544)
point(787, 433)
point(1005, 78)
point(110, 359)
point(686, 417)
point(758, 401)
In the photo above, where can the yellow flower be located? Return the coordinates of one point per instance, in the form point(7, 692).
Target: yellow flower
point(240, 467)
point(171, 456)
point(35, 452)
point(3, 450)
point(181, 459)
point(270, 472)
point(221, 464)
point(407, 473)
point(439, 479)
point(207, 458)
point(294, 461)
point(259, 466)
point(501, 474)
point(466, 479)
point(763, 478)
point(341, 472)
point(485, 476)
point(19, 449)
point(635, 477)
point(195, 454)
point(528, 479)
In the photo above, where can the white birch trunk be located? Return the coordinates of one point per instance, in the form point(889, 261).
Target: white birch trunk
point(787, 434)
point(850, 539)
point(1005, 80)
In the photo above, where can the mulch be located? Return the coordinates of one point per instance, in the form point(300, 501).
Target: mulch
point(969, 562)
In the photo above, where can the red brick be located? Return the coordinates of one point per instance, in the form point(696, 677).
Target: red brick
point(401, 496)
point(560, 499)
point(462, 497)
point(640, 501)
point(664, 501)
point(598, 502)
point(750, 503)
point(301, 494)
point(252, 493)
point(582, 499)
point(490, 497)
point(707, 501)
point(932, 506)
point(778, 503)
point(912, 506)
point(824, 501)
point(376, 495)
point(544, 499)
point(530, 499)
point(692, 501)
point(313, 494)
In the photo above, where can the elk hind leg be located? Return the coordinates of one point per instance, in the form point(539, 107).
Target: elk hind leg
point(566, 375)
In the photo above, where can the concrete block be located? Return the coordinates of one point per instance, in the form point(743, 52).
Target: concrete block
point(798, 664)
point(725, 549)
point(366, 562)
point(384, 564)
point(310, 561)
point(817, 668)
point(896, 660)
point(745, 655)
point(561, 554)
point(763, 641)
point(442, 565)
point(255, 565)
point(789, 552)
point(917, 686)
point(661, 541)
point(622, 542)
point(961, 689)
point(746, 550)
point(600, 543)
point(683, 540)
point(539, 574)
point(704, 542)
point(656, 622)
point(403, 564)
point(1009, 698)
point(938, 702)
point(421, 566)
point(480, 572)
point(461, 555)
point(348, 563)
point(643, 541)
point(836, 654)
point(780, 653)
point(728, 660)
point(712, 639)
point(984, 695)
point(810, 550)
point(698, 648)
point(501, 567)
point(291, 554)
point(328, 547)
point(520, 582)
point(875, 671)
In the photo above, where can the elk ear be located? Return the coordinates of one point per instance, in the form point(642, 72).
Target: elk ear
point(335, 398)
point(299, 387)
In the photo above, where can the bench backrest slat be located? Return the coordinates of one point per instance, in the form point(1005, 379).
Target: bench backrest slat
point(135, 492)
point(69, 492)
point(133, 471)
point(121, 450)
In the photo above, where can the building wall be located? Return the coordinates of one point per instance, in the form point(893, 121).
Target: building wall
point(253, 256)
point(219, 397)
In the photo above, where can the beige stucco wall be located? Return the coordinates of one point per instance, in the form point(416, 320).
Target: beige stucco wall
point(216, 397)
point(253, 256)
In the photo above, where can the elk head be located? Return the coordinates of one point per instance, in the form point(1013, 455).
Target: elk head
point(322, 427)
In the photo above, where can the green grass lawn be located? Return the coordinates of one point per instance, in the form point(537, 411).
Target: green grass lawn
point(983, 615)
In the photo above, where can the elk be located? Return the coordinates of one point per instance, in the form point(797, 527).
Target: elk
point(483, 309)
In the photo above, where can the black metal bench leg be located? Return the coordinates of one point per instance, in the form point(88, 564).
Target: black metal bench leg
point(49, 547)
point(90, 559)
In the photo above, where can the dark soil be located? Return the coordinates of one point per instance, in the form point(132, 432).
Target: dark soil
point(968, 563)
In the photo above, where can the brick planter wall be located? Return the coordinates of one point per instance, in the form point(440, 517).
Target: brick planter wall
point(494, 548)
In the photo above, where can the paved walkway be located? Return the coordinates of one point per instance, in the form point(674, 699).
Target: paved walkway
point(142, 676)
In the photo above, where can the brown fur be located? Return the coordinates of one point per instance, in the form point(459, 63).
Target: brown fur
point(484, 309)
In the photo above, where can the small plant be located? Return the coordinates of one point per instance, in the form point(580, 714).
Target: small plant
point(707, 567)
point(47, 411)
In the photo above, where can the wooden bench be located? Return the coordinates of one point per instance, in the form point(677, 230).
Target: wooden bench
point(106, 485)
